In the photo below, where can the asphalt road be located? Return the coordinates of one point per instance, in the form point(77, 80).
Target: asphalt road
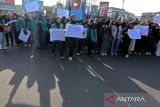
point(33, 78)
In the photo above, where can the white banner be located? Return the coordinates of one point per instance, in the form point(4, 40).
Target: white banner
point(134, 34)
point(24, 37)
point(63, 13)
point(156, 20)
point(144, 30)
point(32, 6)
point(75, 31)
point(57, 34)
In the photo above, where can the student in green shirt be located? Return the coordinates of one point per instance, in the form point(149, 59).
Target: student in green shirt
point(16, 28)
point(41, 29)
point(61, 44)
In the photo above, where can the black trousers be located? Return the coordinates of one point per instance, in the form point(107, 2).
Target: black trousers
point(90, 46)
point(61, 47)
point(138, 45)
point(9, 35)
point(71, 42)
point(125, 44)
point(16, 36)
point(80, 45)
point(99, 44)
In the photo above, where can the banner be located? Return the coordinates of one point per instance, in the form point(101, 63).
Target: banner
point(7, 4)
point(63, 13)
point(77, 13)
point(94, 10)
point(104, 9)
point(156, 20)
point(75, 31)
point(40, 2)
point(31, 6)
point(133, 34)
point(144, 30)
point(57, 35)
point(24, 37)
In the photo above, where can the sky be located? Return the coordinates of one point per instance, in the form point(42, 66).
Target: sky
point(133, 6)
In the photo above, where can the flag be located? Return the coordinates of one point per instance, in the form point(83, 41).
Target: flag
point(76, 3)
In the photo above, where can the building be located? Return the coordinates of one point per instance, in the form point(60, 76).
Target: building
point(118, 13)
point(148, 15)
point(18, 9)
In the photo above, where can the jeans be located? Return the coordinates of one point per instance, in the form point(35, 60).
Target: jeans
point(16, 36)
point(2, 40)
point(106, 44)
point(9, 35)
point(115, 46)
point(40, 39)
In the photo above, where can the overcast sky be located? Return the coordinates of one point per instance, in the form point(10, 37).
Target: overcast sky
point(134, 6)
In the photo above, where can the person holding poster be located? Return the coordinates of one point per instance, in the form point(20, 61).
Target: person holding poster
point(7, 29)
point(126, 41)
point(91, 37)
point(154, 37)
point(16, 28)
point(81, 40)
point(61, 44)
point(71, 42)
point(26, 25)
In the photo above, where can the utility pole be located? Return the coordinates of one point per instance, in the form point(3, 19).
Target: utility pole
point(123, 4)
point(122, 14)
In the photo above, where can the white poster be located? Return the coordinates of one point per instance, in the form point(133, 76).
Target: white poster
point(144, 30)
point(133, 34)
point(63, 13)
point(24, 37)
point(84, 33)
point(32, 6)
point(156, 20)
point(57, 34)
point(75, 31)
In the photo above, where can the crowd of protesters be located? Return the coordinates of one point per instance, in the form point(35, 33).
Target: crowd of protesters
point(105, 36)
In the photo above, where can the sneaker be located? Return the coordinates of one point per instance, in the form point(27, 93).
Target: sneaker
point(4, 48)
point(62, 57)
point(29, 45)
point(126, 56)
point(111, 54)
point(70, 58)
point(116, 54)
point(105, 54)
point(102, 54)
point(78, 54)
point(52, 54)
point(25, 45)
